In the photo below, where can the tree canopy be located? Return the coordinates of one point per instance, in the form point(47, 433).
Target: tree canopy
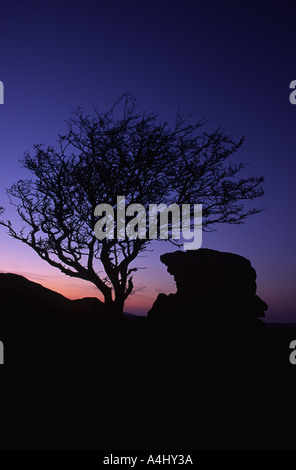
point(124, 151)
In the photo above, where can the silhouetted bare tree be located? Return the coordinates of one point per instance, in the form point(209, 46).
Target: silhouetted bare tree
point(136, 155)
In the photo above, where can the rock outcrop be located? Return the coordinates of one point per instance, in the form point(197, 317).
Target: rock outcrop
point(211, 286)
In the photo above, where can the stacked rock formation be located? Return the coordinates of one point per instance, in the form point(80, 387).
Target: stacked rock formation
point(211, 286)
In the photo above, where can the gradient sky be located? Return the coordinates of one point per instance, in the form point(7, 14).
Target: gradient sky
point(230, 62)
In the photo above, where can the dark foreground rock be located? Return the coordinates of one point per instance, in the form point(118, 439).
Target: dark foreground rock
point(79, 381)
point(212, 287)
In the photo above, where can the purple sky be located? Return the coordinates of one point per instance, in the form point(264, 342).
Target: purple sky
point(231, 62)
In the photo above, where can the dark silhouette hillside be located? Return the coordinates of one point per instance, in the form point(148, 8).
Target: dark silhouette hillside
point(73, 376)
point(200, 372)
point(17, 292)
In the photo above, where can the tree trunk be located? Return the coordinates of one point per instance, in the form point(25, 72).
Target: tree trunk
point(117, 308)
point(114, 307)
